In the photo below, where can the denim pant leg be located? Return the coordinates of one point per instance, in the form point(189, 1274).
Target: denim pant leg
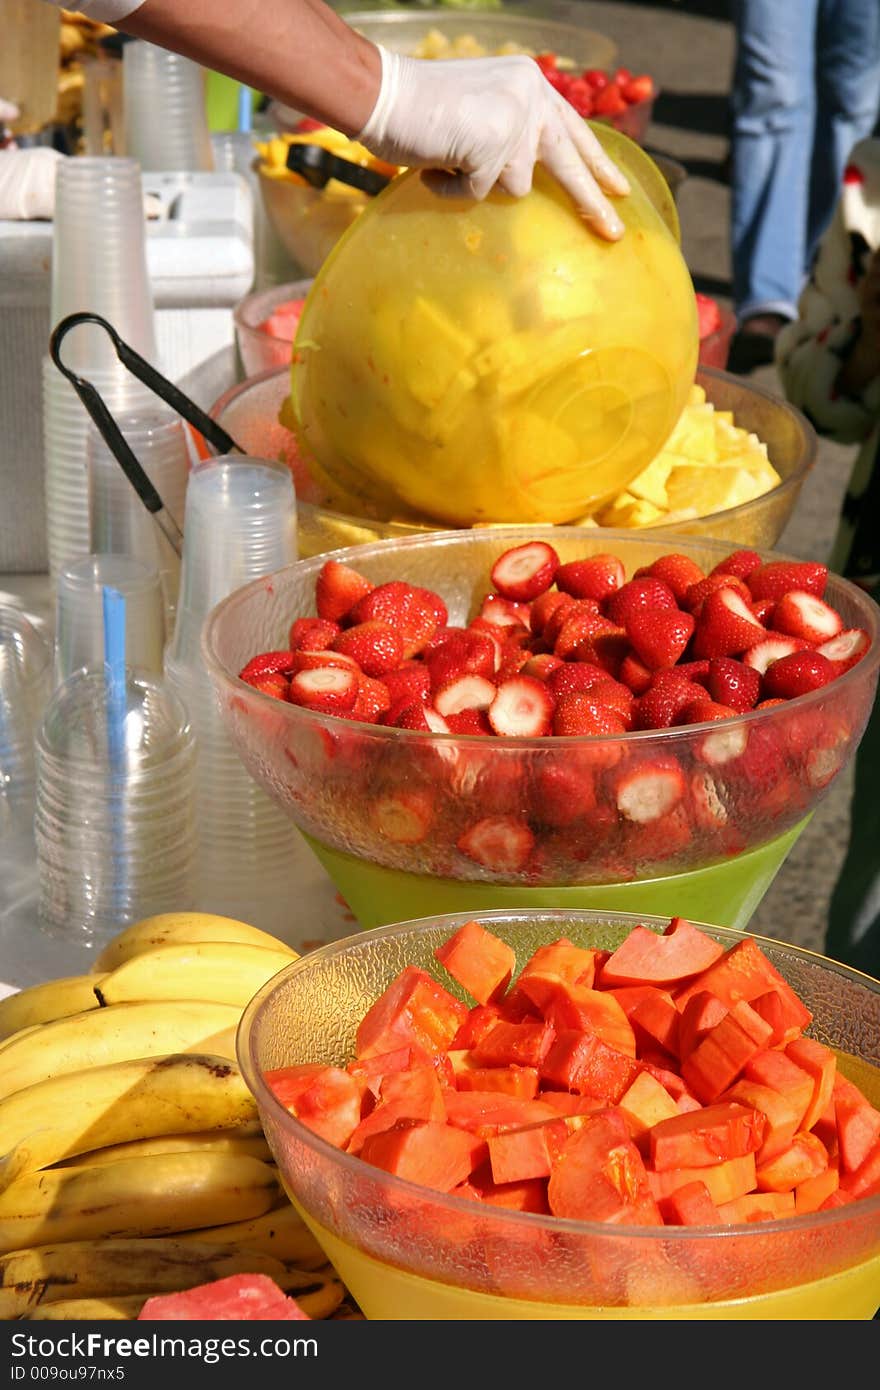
point(847, 99)
point(773, 109)
point(853, 933)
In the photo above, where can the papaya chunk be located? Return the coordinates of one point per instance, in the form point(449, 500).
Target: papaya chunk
point(647, 957)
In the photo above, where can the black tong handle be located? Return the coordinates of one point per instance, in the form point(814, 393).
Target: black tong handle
point(317, 166)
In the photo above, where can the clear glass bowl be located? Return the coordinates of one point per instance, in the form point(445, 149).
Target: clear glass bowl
point(749, 783)
point(407, 1252)
point(253, 412)
point(258, 349)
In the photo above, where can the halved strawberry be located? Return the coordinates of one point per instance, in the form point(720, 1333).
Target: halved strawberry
point(800, 614)
point(742, 563)
point(707, 805)
point(733, 683)
point(564, 789)
point(576, 675)
point(772, 648)
point(404, 816)
point(616, 696)
point(500, 843)
point(659, 635)
point(596, 578)
point(635, 674)
point(461, 652)
point(698, 593)
point(561, 614)
point(725, 746)
point(513, 659)
point(661, 705)
point(312, 634)
point(726, 626)
point(326, 689)
point(762, 609)
point(525, 571)
point(647, 592)
point(376, 647)
point(579, 622)
point(779, 576)
point(578, 714)
point(371, 702)
point(606, 649)
point(704, 712)
point(469, 722)
point(504, 612)
point(696, 671)
point(274, 683)
point(266, 664)
point(464, 692)
point(542, 665)
point(411, 679)
point(646, 791)
point(337, 589)
point(660, 839)
point(408, 716)
point(797, 674)
point(680, 572)
point(846, 648)
point(314, 661)
point(544, 607)
point(413, 612)
point(522, 708)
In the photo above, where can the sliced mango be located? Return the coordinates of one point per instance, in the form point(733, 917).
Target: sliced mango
point(433, 351)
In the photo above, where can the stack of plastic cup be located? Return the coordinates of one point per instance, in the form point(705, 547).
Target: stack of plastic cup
point(115, 807)
point(99, 265)
point(240, 525)
point(119, 521)
point(166, 126)
point(79, 640)
point(25, 671)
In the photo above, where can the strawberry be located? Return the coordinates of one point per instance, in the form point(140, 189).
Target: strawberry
point(635, 674)
point(800, 614)
point(522, 707)
point(741, 563)
point(312, 634)
point(466, 722)
point(658, 840)
point(577, 714)
point(708, 313)
point(659, 635)
point(638, 89)
point(648, 592)
point(578, 624)
point(513, 659)
point(414, 613)
point(680, 572)
point(616, 696)
point(797, 674)
point(725, 626)
point(698, 593)
point(778, 576)
point(565, 790)
point(846, 648)
point(696, 671)
point(274, 683)
point(461, 652)
point(762, 609)
point(502, 612)
point(587, 608)
point(707, 806)
point(661, 705)
point(404, 816)
point(606, 649)
point(725, 746)
point(645, 791)
point(733, 683)
point(468, 691)
point(771, 648)
point(411, 679)
point(544, 606)
point(375, 646)
point(502, 844)
point(337, 589)
point(704, 711)
point(407, 716)
point(542, 665)
point(596, 578)
point(325, 689)
point(266, 664)
point(525, 571)
point(371, 701)
point(576, 675)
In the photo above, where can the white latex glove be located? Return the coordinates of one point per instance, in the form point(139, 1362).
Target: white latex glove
point(486, 121)
point(27, 183)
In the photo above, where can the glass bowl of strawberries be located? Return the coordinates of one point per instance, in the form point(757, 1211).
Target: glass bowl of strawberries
point(548, 716)
point(577, 1115)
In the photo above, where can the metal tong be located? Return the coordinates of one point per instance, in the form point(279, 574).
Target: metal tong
point(317, 166)
point(110, 432)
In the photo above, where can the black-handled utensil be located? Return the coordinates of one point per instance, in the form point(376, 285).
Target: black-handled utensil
point(317, 166)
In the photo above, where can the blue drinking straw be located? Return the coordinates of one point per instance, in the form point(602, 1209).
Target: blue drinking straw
point(114, 671)
point(244, 108)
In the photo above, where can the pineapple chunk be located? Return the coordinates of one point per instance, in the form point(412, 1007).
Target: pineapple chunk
point(433, 351)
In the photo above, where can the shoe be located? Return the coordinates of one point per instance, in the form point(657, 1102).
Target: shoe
point(754, 341)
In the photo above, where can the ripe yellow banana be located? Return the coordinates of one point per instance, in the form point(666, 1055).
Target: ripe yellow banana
point(281, 1233)
point(318, 1294)
point(176, 927)
point(81, 1269)
point(228, 972)
point(43, 1003)
point(118, 1034)
point(87, 1110)
point(134, 1197)
point(245, 1139)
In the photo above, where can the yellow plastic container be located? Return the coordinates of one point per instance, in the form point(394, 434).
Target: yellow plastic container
point(495, 361)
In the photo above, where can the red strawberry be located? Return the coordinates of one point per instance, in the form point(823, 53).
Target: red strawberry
point(659, 635)
point(461, 652)
point(522, 707)
point(411, 680)
point(502, 612)
point(542, 665)
point(707, 805)
point(337, 589)
point(704, 711)
point(726, 627)
point(375, 646)
point(660, 706)
point(698, 593)
point(797, 674)
point(414, 613)
point(407, 716)
point(725, 746)
point(680, 572)
point(544, 606)
point(639, 89)
point(762, 609)
point(697, 671)
point(576, 675)
point(464, 692)
point(648, 592)
point(605, 649)
point(565, 790)
point(741, 563)
point(265, 664)
point(513, 659)
point(466, 722)
point(577, 714)
point(645, 791)
point(635, 674)
point(562, 614)
point(326, 689)
point(579, 624)
point(273, 683)
point(708, 312)
point(846, 648)
point(404, 817)
point(617, 696)
point(525, 571)
point(778, 576)
point(596, 578)
point(733, 683)
point(371, 702)
point(771, 648)
point(500, 843)
point(312, 634)
point(768, 704)
point(803, 615)
point(658, 840)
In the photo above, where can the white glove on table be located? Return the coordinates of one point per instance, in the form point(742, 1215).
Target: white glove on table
point(487, 120)
point(27, 183)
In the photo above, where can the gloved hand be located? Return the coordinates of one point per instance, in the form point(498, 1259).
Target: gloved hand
point(486, 121)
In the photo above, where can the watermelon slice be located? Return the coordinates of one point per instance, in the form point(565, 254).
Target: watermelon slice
point(238, 1298)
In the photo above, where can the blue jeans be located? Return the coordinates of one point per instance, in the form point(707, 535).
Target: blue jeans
point(806, 88)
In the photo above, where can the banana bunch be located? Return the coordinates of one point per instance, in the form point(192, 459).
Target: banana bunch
point(132, 1160)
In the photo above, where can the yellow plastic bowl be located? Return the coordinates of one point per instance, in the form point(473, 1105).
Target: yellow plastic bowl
point(407, 1252)
point(495, 361)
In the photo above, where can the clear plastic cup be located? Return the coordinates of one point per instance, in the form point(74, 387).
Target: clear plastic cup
point(79, 625)
point(25, 664)
point(119, 521)
point(166, 126)
point(261, 348)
